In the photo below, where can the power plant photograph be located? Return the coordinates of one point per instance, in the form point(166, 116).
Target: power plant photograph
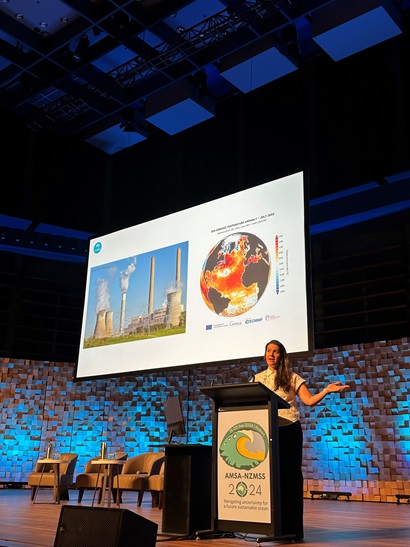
point(138, 297)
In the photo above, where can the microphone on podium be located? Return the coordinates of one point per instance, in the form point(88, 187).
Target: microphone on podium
point(237, 368)
point(253, 376)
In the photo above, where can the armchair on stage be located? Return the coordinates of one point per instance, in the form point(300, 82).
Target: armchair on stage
point(136, 472)
point(156, 483)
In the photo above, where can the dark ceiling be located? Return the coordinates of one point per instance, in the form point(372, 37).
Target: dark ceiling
point(319, 83)
point(115, 112)
point(316, 81)
point(91, 68)
point(113, 72)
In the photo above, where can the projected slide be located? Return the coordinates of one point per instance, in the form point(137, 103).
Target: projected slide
point(210, 284)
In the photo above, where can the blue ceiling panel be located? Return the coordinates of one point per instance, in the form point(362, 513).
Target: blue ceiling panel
point(12, 222)
point(354, 35)
point(75, 68)
point(259, 70)
point(180, 116)
point(114, 139)
point(179, 107)
point(114, 58)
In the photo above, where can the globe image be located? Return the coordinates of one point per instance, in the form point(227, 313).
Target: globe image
point(235, 274)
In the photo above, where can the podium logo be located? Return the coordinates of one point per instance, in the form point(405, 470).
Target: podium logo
point(244, 446)
point(241, 489)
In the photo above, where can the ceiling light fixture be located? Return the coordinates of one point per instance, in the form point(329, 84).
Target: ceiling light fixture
point(129, 126)
point(200, 80)
point(81, 49)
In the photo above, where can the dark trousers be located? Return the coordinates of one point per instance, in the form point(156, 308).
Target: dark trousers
point(291, 479)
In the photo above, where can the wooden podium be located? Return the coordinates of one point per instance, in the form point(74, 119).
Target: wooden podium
point(245, 460)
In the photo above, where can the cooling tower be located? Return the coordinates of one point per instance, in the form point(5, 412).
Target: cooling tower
point(99, 331)
point(109, 327)
point(174, 308)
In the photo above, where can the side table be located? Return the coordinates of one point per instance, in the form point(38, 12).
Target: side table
point(56, 475)
point(107, 469)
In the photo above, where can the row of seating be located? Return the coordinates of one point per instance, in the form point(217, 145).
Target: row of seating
point(141, 473)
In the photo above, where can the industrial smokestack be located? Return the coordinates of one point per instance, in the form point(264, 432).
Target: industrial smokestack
point(178, 269)
point(124, 281)
point(151, 286)
point(122, 315)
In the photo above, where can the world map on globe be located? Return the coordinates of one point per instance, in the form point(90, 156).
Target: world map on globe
point(235, 274)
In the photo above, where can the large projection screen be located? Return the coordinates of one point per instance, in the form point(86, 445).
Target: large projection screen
point(207, 285)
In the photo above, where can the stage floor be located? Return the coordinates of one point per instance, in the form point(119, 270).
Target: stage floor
point(328, 523)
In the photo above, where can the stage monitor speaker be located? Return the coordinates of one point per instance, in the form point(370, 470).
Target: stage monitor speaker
point(103, 527)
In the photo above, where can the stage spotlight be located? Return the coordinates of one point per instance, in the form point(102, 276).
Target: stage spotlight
point(130, 125)
point(200, 78)
point(200, 81)
point(81, 49)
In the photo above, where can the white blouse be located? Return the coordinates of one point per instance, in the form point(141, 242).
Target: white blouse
point(290, 415)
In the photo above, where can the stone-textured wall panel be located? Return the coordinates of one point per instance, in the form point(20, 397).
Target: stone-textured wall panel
point(357, 441)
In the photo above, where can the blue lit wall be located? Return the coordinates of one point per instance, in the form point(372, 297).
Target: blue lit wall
point(359, 440)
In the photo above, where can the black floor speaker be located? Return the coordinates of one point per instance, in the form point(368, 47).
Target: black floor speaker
point(103, 527)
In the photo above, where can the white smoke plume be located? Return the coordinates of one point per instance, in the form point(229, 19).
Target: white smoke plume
point(103, 295)
point(125, 275)
point(174, 286)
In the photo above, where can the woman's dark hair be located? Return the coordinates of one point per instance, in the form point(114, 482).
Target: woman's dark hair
point(283, 372)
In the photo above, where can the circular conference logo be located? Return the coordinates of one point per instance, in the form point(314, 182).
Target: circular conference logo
point(244, 446)
point(235, 274)
point(97, 247)
point(241, 489)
